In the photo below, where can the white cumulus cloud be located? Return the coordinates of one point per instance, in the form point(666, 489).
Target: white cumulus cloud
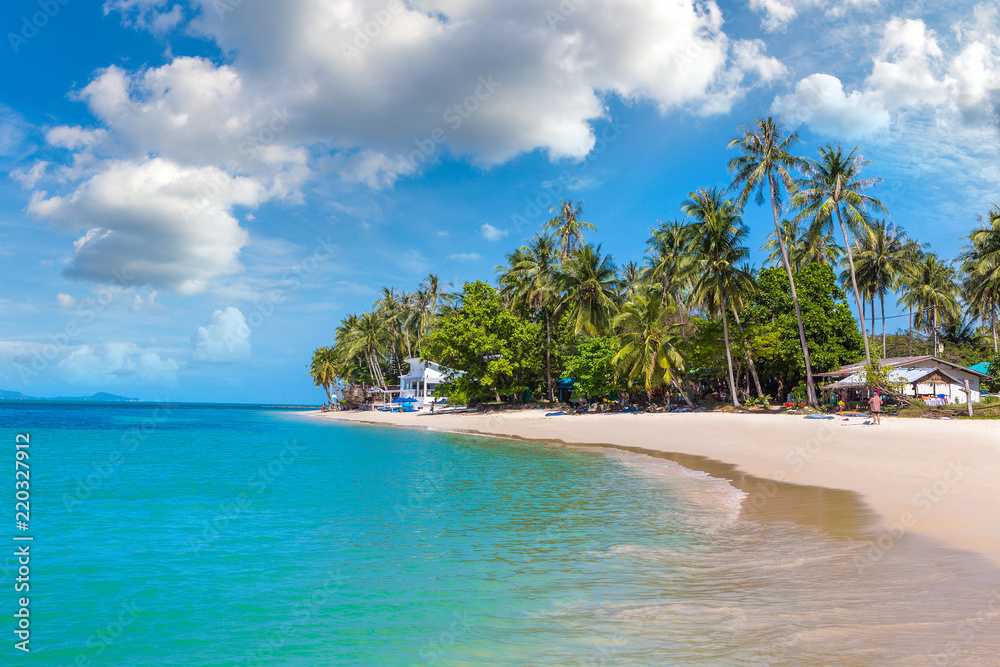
point(820, 102)
point(154, 222)
point(225, 339)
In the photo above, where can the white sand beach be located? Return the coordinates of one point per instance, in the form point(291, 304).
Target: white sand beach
point(937, 479)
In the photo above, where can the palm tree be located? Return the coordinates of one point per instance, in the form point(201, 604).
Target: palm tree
point(803, 247)
point(766, 161)
point(833, 185)
point(884, 254)
point(426, 305)
point(568, 227)
point(981, 267)
point(588, 283)
point(718, 246)
point(647, 344)
point(368, 340)
point(630, 278)
point(530, 279)
point(669, 261)
point(391, 308)
point(324, 370)
point(930, 287)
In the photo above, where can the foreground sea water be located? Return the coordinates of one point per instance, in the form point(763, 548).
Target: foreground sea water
point(209, 535)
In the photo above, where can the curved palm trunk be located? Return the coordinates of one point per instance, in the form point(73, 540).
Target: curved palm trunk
point(854, 284)
point(729, 354)
point(749, 358)
point(677, 385)
point(329, 396)
point(810, 384)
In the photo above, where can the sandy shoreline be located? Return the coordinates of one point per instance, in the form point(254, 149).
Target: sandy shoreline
point(939, 479)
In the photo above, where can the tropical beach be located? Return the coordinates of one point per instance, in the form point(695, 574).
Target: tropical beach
point(478, 332)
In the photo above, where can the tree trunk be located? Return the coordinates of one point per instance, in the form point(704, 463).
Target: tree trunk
point(810, 385)
point(910, 341)
point(729, 354)
point(683, 394)
point(935, 337)
point(329, 396)
point(680, 309)
point(882, 297)
point(548, 354)
point(854, 283)
point(873, 318)
point(395, 356)
point(993, 321)
point(753, 367)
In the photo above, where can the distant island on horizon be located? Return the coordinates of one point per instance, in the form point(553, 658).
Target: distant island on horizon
point(101, 396)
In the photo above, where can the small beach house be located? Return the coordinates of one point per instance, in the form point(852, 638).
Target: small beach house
point(933, 380)
point(423, 378)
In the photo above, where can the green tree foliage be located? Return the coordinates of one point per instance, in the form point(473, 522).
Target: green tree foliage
point(831, 330)
point(593, 367)
point(993, 386)
point(495, 349)
point(647, 345)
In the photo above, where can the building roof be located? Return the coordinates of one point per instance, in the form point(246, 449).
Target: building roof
point(906, 375)
point(430, 368)
point(982, 367)
point(925, 362)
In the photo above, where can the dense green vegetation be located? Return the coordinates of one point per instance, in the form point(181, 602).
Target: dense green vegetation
point(693, 319)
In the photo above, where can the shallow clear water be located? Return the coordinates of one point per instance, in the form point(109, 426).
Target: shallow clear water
point(206, 536)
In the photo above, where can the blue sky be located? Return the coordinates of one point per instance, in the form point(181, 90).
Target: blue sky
point(197, 192)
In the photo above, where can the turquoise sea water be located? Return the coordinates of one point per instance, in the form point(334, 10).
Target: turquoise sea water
point(187, 535)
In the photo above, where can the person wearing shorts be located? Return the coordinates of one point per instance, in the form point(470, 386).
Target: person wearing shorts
point(875, 403)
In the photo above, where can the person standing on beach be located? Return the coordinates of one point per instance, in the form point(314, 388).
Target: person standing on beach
point(875, 403)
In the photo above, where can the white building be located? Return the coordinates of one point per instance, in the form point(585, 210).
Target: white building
point(931, 379)
point(420, 383)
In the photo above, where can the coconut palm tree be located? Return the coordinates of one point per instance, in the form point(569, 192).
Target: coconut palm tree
point(884, 253)
point(669, 261)
point(530, 279)
point(981, 267)
point(568, 227)
point(426, 305)
point(390, 307)
point(324, 370)
point(588, 283)
point(931, 289)
point(718, 247)
point(765, 161)
point(630, 279)
point(833, 187)
point(803, 248)
point(369, 340)
point(647, 343)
